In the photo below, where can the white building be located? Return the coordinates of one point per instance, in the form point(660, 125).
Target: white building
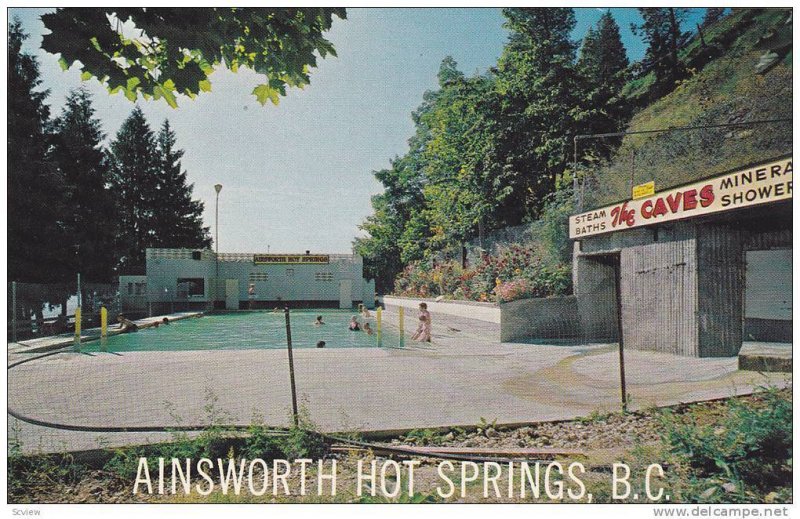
point(180, 279)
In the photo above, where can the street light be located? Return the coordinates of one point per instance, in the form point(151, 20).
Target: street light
point(217, 188)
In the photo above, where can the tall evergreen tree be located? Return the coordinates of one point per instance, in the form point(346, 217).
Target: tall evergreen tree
point(178, 218)
point(134, 179)
point(603, 64)
point(35, 188)
point(603, 58)
point(712, 15)
point(661, 30)
point(90, 215)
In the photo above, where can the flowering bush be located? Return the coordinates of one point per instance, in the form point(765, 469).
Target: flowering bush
point(516, 272)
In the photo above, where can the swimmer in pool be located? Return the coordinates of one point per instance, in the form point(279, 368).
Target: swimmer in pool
point(354, 326)
point(165, 321)
point(126, 325)
point(321, 344)
point(368, 329)
point(318, 322)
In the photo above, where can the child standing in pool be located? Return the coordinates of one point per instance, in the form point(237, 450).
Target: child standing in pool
point(423, 333)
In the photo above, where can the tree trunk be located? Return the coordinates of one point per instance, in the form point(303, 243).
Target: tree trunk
point(675, 34)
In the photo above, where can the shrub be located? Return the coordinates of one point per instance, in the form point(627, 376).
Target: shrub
point(300, 441)
point(752, 449)
point(515, 272)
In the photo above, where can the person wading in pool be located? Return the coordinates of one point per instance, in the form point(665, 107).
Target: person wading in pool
point(368, 329)
point(423, 333)
point(126, 325)
point(318, 322)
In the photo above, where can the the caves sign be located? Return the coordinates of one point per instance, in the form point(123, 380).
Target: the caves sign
point(769, 182)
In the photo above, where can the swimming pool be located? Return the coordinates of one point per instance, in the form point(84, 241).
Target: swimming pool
point(249, 330)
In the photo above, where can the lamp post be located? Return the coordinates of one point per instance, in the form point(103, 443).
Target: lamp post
point(217, 188)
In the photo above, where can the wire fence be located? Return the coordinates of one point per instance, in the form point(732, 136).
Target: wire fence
point(671, 307)
point(670, 157)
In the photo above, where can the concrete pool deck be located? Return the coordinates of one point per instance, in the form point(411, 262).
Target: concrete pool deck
point(456, 381)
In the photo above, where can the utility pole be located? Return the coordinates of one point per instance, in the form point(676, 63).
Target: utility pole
point(217, 188)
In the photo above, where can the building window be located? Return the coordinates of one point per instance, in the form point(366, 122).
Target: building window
point(289, 273)
point(258, 276)
point(191, 287)
point(323, 276)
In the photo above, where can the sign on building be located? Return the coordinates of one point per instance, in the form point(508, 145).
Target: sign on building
point(290, 259)
point(643, 190)
point(770, 182)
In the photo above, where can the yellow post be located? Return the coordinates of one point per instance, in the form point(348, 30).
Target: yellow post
point(378, 318)
point(78, 328)
point(401, 312)
point(103, 322)
point(103, 329)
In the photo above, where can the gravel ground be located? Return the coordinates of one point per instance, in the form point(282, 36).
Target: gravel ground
point(611, 432)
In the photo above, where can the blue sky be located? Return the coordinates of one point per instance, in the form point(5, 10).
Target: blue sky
point(298, 176)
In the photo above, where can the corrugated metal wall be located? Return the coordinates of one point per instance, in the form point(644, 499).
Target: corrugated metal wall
point(720, 257)
point(683, 285)
point(659, 295)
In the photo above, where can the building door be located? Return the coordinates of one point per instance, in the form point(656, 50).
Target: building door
point(231, 294)
point(345, 293)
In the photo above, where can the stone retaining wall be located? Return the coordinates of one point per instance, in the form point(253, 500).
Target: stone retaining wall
point(526, 319)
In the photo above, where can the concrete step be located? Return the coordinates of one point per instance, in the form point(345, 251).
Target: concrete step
point(766, 357)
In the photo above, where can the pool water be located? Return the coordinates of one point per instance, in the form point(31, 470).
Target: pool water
point(249, 330)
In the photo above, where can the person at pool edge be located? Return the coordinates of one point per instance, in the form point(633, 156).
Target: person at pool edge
point(423, 333)
point(251, 295)
point(126, 325)
point(354, 326)
point(364, 311)
point(165, 321)
point(321, 344)
point(318, 321)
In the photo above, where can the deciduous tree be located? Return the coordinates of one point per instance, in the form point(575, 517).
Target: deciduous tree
point(164, 51)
